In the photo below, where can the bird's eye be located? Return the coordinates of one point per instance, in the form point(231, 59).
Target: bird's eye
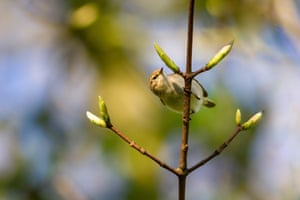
point(155, 76)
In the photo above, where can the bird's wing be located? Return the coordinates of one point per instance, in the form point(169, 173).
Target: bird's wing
point(205, 94)
point(206, 101)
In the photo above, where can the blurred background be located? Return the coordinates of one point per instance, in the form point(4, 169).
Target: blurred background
point(57, 56)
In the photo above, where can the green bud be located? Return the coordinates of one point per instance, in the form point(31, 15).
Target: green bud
point(103, 110)
point(166, 59)
point(252, 121)
point(238, 117)
point(96, 120)
point(219, 56)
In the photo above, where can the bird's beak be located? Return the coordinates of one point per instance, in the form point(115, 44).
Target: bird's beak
point(161, 70)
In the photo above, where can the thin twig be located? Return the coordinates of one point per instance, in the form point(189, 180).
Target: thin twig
point(142, 150)
point(217, 151)
point(190, 32)
point(199, 71)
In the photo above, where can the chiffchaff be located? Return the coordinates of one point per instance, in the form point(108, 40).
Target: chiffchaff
point(170, 89)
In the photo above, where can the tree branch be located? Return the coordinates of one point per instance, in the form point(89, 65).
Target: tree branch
point(187, 101)
point(187, 89)
point(199, 71)
point(217, 151)
point(142, 150)
point(181, 186)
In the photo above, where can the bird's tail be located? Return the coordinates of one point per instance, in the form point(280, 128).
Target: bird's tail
point(208, 103)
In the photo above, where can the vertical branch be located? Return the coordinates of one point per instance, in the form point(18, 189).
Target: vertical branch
point(187, 89)
point(181, 187)
point(190, 37)
point(186, 111)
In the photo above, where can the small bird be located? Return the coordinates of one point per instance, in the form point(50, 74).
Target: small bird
point(170, 90)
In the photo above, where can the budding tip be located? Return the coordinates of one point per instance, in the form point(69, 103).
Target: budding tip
point(252, 121)
point(238, 117)
point(94, 119)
